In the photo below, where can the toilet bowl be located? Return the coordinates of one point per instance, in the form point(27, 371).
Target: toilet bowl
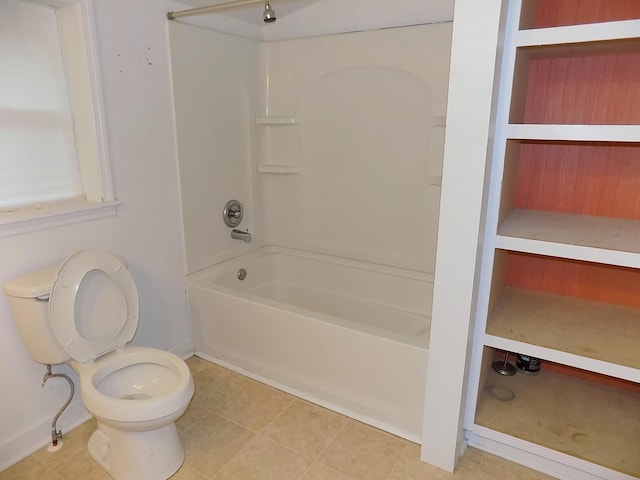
point(136, 395)
point(85, 315)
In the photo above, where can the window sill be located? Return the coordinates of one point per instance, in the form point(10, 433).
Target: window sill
point(40, 217)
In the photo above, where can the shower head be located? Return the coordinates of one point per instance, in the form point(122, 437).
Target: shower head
point(269, 15)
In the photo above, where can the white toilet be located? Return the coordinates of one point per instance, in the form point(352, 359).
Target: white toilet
point(84, 312)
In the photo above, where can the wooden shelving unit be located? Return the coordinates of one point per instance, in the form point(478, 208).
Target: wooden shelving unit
point(560, 276)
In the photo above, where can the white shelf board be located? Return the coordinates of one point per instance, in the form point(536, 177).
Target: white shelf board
point(575, 34)
point(621, 235)
point(597, 331)
point(275, 121)
point(563, 250)
point(537, 457)
point(578, 133)
point(564, 358)
point(589, 421)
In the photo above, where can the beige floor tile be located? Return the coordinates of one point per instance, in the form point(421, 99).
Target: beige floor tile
point(410, 467)
point(363, 452)
point(264, 459)
point(320, 471)
point(80, 466)
point(196, 364)
point(214, 384)
point(188, 473)
point(28, 469)
point(294, 432)
point(74, 443)
point(496, 468)
point(254, 405)
point(193, 414)
point(212, 442)
point(471, 460)
point(305, 428)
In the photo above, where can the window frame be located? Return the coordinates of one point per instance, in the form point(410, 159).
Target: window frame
point(76, 27)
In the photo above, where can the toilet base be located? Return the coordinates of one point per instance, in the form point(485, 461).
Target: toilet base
point(150, 455)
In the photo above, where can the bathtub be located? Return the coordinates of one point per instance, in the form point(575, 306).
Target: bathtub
point(348, 335)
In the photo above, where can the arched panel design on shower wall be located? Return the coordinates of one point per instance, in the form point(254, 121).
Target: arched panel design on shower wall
point(367, 114)
point(365, 166)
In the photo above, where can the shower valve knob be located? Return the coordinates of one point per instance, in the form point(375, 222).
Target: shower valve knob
point(232, 213)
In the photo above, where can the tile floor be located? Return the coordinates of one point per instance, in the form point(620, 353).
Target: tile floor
point(239, 429)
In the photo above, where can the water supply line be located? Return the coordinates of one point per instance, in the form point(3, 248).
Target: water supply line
point(56, 435)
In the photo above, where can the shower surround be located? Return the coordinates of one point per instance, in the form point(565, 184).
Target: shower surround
point(334, 145)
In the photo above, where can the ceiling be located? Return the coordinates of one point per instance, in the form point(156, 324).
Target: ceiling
point(308, 18)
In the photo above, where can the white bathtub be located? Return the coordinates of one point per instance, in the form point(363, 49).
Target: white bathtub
point(348, 335)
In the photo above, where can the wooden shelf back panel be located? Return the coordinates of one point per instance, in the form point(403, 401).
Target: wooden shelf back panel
point(583, 179)
point(585, 90)
point(557, 13)
point(591, 376)
point(591, 281)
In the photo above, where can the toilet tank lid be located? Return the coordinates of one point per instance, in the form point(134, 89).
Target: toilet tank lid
point(31, 285)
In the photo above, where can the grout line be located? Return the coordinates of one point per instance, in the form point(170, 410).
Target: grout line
point(238, 453)
point(395, 464)
point(317, 460)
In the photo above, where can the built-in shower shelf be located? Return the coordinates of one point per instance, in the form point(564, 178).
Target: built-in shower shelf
point(273, 120)
point(278, 169)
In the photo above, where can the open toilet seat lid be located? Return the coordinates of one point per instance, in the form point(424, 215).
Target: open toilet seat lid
point(91, 327)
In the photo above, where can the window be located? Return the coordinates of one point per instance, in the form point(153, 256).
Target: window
point(53, 156)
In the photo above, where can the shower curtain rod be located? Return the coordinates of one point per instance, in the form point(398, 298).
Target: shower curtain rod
point(213, 8)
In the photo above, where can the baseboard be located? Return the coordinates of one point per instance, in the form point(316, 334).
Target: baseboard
point(185, 349)
point(38, 435)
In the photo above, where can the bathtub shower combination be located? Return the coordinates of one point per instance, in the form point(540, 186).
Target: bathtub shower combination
point(333, 146)
point(349, 335)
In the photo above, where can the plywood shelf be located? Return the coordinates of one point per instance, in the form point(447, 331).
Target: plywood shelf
point(594, 422)
point(603, 239)
point(594, 330)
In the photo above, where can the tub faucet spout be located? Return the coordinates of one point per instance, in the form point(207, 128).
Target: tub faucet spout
point(240, 235)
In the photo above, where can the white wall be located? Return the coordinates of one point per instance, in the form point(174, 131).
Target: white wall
point(146, 230)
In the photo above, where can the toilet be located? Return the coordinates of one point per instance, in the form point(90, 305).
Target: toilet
point(84, 313)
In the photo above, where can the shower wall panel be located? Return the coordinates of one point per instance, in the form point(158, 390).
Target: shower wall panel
point(215, 83)
point(349, 154)
point(334, 144)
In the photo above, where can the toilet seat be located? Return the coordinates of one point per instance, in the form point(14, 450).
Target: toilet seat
point(84, 330)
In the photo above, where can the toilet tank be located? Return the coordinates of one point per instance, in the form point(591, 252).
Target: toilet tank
point(28, 298)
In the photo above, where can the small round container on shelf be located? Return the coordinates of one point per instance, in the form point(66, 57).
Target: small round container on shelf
point(528, 365)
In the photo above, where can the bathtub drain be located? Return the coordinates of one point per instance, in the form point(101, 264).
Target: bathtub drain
point(242, 274)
